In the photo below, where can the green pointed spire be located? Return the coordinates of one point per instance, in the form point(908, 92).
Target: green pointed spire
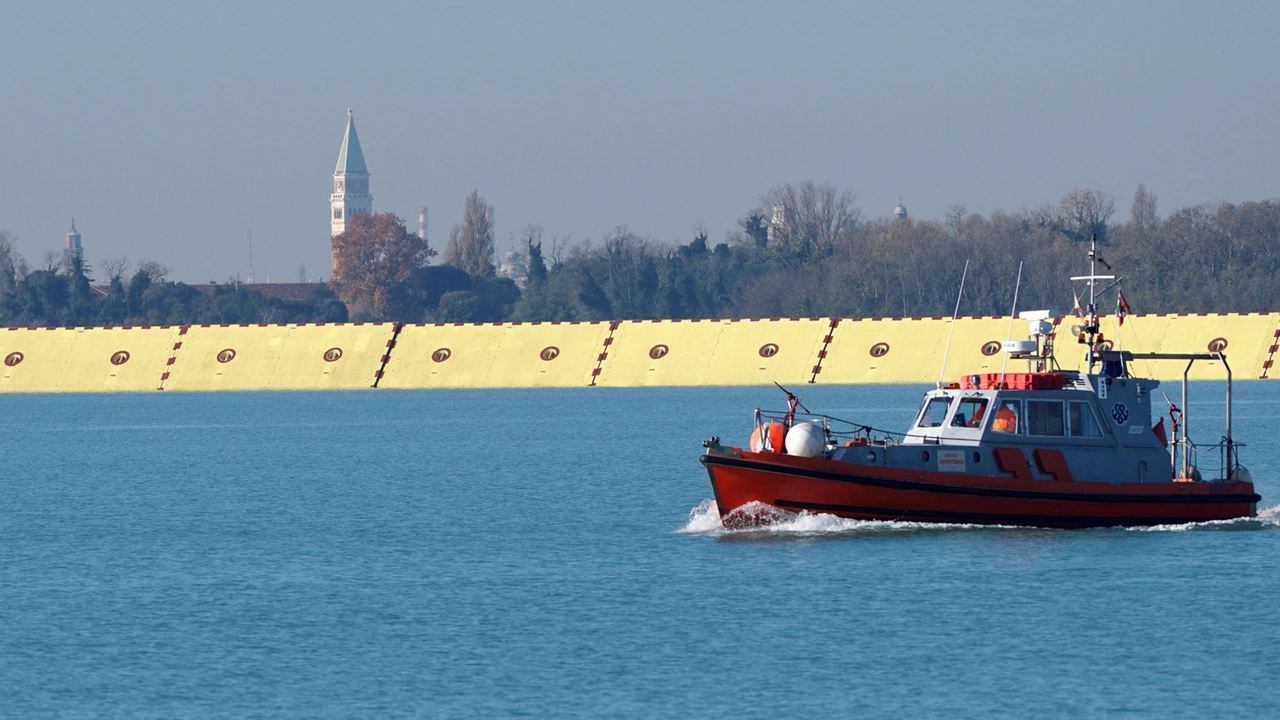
point(350, 158)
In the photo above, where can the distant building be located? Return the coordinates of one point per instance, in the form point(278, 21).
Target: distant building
point(777, 225)
point(350, 182)
point(900, 212)
point(72, 248)
point(513, 266)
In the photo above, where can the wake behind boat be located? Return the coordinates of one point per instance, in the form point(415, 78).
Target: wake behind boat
point(1045, 447)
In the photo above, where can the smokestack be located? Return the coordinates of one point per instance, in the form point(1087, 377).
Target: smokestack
point(422, 223)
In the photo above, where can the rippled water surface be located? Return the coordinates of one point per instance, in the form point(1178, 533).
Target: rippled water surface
point(554, 553)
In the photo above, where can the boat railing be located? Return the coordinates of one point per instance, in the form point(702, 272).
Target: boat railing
point(1195, 471)
point(837, 431)
point(1183, 450)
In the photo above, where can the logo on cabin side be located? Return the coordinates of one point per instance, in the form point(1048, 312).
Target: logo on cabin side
point(1120, 413)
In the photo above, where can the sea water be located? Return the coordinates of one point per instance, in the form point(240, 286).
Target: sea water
point(554, 553)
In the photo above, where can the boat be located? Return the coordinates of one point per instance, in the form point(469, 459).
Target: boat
point(1041, 447)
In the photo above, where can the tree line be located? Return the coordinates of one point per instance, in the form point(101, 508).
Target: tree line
point(804, 250)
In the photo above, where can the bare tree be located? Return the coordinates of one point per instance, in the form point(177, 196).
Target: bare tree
point(52, 260)
point(807, 220)
point(114, 269)
point(153, 270)
point(471, 243)
point(1142, 213)
point(955, 214)
point(1084, 213)
point(12, 266)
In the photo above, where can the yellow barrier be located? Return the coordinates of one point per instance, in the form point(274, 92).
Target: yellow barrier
point(279, 357)
point(619, 354)
point(713, 352)
point(99, 359)
point(881, 350)
point(495, 355)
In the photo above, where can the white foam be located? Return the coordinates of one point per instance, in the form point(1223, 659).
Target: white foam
point(759, 518)
point(762, 519)
point(1266, 519)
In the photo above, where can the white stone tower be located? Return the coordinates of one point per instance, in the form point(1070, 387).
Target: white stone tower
point(350, 182)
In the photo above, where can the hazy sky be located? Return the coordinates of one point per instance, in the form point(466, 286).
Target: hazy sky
point(172, 130)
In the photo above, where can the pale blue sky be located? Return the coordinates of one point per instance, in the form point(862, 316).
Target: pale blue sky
point(170, 130)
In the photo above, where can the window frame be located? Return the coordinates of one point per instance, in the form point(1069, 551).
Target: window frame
point(1062, 418)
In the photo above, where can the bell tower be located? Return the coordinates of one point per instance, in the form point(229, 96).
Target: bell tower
point(350, 182)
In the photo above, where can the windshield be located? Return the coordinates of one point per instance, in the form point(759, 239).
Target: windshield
point(935, 411)
point(970, 413)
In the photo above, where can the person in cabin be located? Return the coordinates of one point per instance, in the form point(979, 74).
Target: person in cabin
point(978, 415)
point(1006, 419)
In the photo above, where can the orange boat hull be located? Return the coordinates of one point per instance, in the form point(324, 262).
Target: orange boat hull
point(878, 493)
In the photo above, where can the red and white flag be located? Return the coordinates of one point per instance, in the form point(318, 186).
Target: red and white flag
point(1079, 313)
point(1122, 308)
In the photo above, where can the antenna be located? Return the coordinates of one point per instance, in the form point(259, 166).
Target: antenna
point(250, 256)
point(954, 315)
point(1012, 313)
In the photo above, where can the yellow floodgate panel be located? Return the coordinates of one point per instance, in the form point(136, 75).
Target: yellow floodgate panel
point(888, 351)
point(546, 355)
point(278, 357)
point(332, 356)
point(83, 359)
point(760, 352)
point(238, 357)
point(713, 352)
point(117, 359)
point(33, 358)
point(495, 355)
point(1244, 338)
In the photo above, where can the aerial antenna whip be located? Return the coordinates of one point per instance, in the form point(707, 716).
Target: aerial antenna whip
point(793, 401)
point(954, 315)
point(1012, 312)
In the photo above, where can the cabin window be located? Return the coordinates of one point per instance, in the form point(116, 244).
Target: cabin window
point(1083, 422)
point(935, 411)
point(1008, 417)
point(970, 413)
point(1044, 417)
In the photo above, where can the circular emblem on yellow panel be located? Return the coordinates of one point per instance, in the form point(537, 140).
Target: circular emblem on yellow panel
point(1105, 346)
point(119, 357)
point(332, 354)
point(991, 348)
point(768, 350)
point(13, 358)
point(441, 355)
point(1217, 345)
point(551, 352)
point(879, 350)
point(226, 356)
point(659, 351)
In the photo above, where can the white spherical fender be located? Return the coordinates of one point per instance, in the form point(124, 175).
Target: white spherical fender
point(805, 440)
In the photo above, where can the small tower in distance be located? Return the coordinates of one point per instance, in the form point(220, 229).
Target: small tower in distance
point(72, 248)
point(350, 182)
point(900, 212)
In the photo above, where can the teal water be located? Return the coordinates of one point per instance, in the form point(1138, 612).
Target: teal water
point(549, 554)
